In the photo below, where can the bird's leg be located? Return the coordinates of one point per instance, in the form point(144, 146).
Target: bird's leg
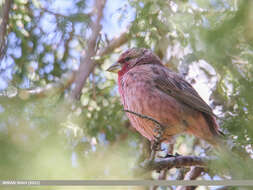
point(159, 128)
point(169, 151)
point(156, 143)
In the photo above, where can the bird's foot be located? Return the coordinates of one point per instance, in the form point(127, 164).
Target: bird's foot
point(170, 155)
point(156, 142)
point(156, 145)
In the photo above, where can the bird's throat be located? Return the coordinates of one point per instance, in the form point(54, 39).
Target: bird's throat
point(123, 70)
point(121, 73)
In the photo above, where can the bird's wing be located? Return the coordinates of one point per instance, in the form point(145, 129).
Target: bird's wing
point(175, 86)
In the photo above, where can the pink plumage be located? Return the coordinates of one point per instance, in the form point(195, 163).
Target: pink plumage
point(149, 88)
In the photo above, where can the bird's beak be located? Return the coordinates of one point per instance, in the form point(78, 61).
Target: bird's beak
point(114, 68)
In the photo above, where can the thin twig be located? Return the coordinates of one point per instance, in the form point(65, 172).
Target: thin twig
point(93, 86)
point(51, 12)
point(50, 89)
point(66, 45)
point(113, 44)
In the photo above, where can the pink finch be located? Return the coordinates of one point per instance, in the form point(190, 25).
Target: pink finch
point(149, 88)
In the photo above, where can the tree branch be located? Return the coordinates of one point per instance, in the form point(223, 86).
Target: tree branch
point(50, 89)
point(193, 174)
point(163, 173)
point(3, 27)
point(87, 64)
point(225, 188)
point(67, 79)
point(175, 162)
point(160, 164)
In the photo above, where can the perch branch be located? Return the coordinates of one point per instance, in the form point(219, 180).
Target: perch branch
point(176, 162)
point(173, 162)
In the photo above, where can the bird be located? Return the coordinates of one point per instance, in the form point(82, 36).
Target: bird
point(148, 88)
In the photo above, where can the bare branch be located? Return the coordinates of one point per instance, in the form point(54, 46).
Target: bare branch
point(90, 64)
point(53, 13)
point(225, 188)
point(163, 173)
point(160, 164)
point(3, 27)
point(50, 89)
point(176, 162)
point(67, 79)
point(193, 174)
point(87, 64)
point(181, 173)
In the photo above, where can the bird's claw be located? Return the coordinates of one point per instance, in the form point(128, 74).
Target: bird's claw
point(176, 154)
point(155, 146)
point(171, 155)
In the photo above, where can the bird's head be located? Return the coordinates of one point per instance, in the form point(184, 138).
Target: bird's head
point(131, 58)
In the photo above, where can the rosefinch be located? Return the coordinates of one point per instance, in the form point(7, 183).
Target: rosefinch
point(149, 88)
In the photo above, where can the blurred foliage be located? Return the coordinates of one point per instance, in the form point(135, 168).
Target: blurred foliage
point(51, 138)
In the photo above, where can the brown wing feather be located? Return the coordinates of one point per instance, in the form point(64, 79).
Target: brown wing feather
point(175, 86)
point(181, 90)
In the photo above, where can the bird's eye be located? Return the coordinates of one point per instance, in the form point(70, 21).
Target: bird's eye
point(127, 58)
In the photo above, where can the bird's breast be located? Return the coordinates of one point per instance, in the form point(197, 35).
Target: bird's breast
point(140, 95)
